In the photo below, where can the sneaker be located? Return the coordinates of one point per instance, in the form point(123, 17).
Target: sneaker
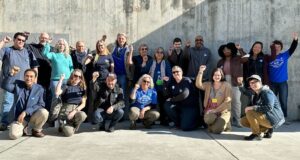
point(3, 127)
point(25, 131)
point(111, 129)
point(132, 125)
point(269, 133)
point(253, 137)
point(37, 134)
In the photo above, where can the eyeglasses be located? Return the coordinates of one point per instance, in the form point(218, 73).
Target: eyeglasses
point(161, 52)
point(144, 49)
point(148, 82)
point(77, 76)
point(198, 39)
point(22, 40)
point(175, 72)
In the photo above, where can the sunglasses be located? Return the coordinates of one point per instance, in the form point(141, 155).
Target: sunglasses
point(144, 49)
point(146, 81)
point(77, 76)
point(175, 72)
point(22, 40)
point(161, 52)
point(253, 82)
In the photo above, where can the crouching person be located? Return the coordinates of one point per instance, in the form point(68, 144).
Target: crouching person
point(28, 106)
point(264, 112)
point(144, 99)
point(109, 103)
point(73, 97)
point(217, 100)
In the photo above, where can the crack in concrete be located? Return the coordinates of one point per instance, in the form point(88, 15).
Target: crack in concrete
point(14, 145)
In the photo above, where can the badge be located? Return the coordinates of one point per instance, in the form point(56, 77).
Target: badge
point(180, 90)
point(173, 87)
point(214, 100)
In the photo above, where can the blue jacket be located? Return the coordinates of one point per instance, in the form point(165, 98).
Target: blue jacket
point(268, 104)
point(35, 100)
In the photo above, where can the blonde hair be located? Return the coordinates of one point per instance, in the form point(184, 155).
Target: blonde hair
point(146, 76)
point(82, 83)
point(67, 48)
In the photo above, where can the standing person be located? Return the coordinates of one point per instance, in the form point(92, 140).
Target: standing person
point(44, 65)
point(197, 56)
point(160, 71)
point(110, 103)
point(61, 62)
point(28, 103)
point(175, 56)
point(103, 64)
point(217, 100)
point(141, 62)
point(231, 64)
point(264, 112)
point(181, 106)
point(278, 71)
point(73, 96)
point(122, 55)
point(15, 55)
point(144, 104)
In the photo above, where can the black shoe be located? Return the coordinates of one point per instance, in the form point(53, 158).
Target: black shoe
point(253, 137)
point(269, 133)
point(60, 129)
point(101, 127)
point(3, 127)
point(111, 129)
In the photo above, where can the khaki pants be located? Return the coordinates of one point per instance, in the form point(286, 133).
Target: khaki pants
point(149, 117)
point(37, 120)
point(258, 122)
point(217, 124)
point(70, 126)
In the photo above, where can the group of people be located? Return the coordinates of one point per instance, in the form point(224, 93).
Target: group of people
point(179, 87)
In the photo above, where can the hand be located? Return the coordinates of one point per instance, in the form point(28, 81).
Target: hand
point(110, 110)
point(188, 43)
point(170, 50)
point(295, 35)
point(211, 111)
point(145, 59)
point(21, 117)
point(6, 39)
point(136, 86)
point(238, 46)
point(62, 77)
point(95, 76)
point(26, 33)
point(50, 40)
point(142, 114)
point(249, 108)
point(240, 80)
point(15, 70)
point(202, 68)
point(71, 114)
point(165, 78)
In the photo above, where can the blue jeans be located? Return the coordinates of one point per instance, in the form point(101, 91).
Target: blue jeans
point(122, 81)
point(281, 90)
point(7, 104)
point(101, 116)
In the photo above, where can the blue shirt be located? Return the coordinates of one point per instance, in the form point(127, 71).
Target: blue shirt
point(119, 55)
point(278, 69)
point(145, 98)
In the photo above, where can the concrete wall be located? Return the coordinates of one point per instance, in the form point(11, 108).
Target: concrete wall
point(157, 22)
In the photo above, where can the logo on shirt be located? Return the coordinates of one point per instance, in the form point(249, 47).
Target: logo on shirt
point(277, 63)
point(145, 99)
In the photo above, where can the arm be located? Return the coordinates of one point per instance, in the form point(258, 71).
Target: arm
point(182, 96)
point(133, 93)
point(82, 104)
point(9, 81)
point(70, 64)
point(186, 51)
point(58, 90)
point(46, 51)
point(199, 78)
point(129, 57)
point(5, 40)
point(119, 101)
point(40, 103)
point(293, 46)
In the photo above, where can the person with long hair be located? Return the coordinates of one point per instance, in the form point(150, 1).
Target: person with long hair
point(73, 97)
point(61, 62)
point(217, 100)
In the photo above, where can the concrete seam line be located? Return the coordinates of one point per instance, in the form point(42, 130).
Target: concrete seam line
point(14, 145)
point(221, 145)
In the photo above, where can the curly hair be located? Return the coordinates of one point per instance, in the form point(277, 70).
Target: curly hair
point(231, 46)
point(146, 76)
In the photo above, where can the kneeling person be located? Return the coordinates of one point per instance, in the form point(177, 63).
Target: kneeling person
point(109, 102)
point(264, 112)
point(73, 97)
point(28, 105)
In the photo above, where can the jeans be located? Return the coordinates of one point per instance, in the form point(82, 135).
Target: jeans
point(7, 104)
point(122, 81)
point(281, 90)
point(101, 116)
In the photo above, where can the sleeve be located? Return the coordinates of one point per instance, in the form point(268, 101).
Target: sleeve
point(70, 64)
point(8, 84)
point(293, 47)
point(267, 104)
point(46, 52)
point(181, 96)
point(186, 53)
point(168, 69)
point(2, 51)
point(33, 61)
point(119, 100)
point(40, 104)
point(154, 97)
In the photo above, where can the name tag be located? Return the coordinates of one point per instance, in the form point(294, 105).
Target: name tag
point(214, 100)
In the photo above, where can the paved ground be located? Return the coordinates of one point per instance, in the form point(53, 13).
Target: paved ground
point(157, 143)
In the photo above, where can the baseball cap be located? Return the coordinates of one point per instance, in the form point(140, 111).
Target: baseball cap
point(254, 76)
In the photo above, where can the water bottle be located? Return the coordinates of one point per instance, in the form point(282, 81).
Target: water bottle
point(159, 80)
